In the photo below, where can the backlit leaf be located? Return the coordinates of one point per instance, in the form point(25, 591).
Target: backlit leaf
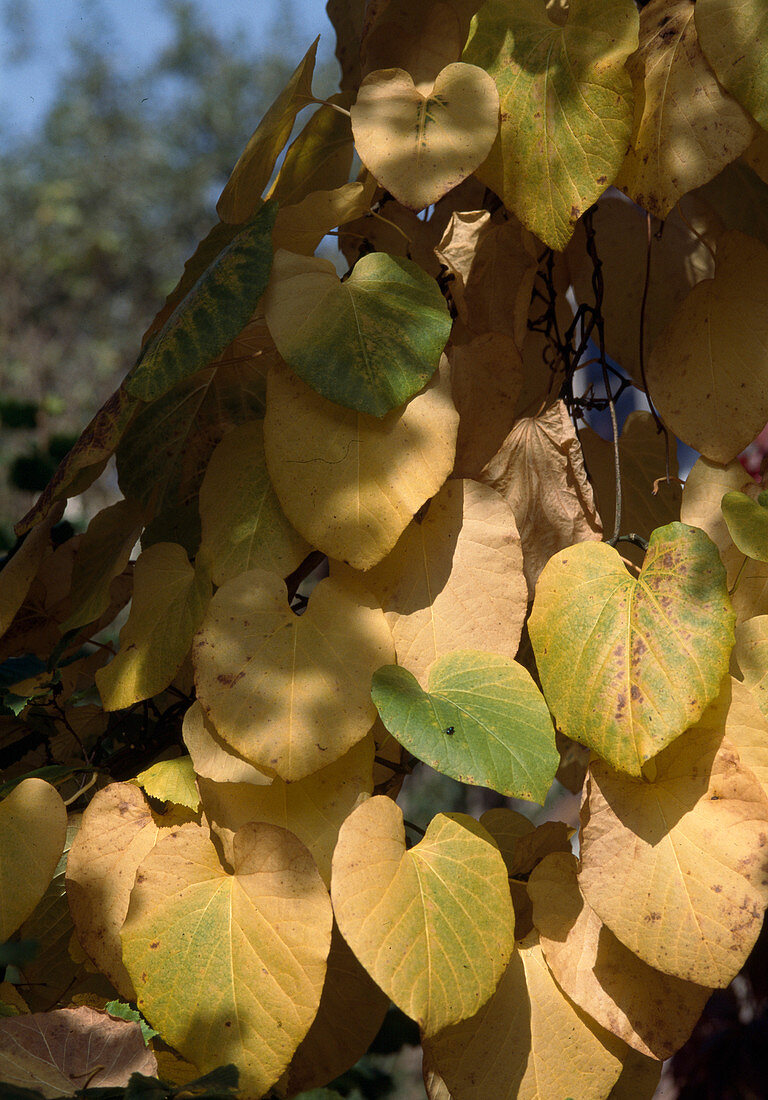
point(171, 781)
point(628, 664)
point(365, 477)
point(208, 319)
point(369, 343)
point(566, 106)
point(722, 324)
point(169, 600)
point(420, 146)
point(433, 925)
point(676, 868)
point(33, 829)
point(229, 967)
point(676, 146)
point(482, 721)
point(320, 158)
point(289, 693)
point(732, 33)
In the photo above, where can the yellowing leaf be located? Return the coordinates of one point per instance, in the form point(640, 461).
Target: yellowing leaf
point(747, 522)
point(103, 554)
point(433, 926)
point(566, 105)
point(539, 471)
point(527, 1043)
point(289, 693)
point(746, 727)
point(751, 658)
point(242, 523)
point(169, 601)
point(242, 195)
point(211, 757)
point(33, 829)
point(422, 38)
point(721, 325)
point(369, 343)
point(732, 35)
point(675, 867)
point(117, 831)
point(301, 228)
point(313, 808)
point(704, 489)
point(454, 580)
point(486, 380)
point(171, 781)
point(350, 483)
point(655, 1013)
point(676, 146)
point(418, 146)
point(320, 158)
point(628, 664)
point(20, 569)
point(522, 845)
point(229, 967)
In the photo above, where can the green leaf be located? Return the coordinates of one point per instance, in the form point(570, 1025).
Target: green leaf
point(482, 721)
point(566, 105)
point(369, 343)
point(627, 664)
point(171, 781)
point(124, 1011)
point(213, 312)
point(747, 523)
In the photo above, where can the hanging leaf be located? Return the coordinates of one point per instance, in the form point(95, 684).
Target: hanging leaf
point(434, 925)
point(732, 36)
point(747, 522)
point(482, 721)
point(628, 664)
point(229, 967)
point(369, 343)
point(33, 829)
point(210, 316)
point(566, 106)
point(301, 228)
point(420, 146)
point(320, 158)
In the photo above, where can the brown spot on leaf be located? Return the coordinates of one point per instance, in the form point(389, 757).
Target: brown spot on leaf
point(229, 679)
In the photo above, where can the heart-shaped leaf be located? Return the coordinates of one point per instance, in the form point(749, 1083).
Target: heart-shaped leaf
point(369, 343)
point(229, 967)
point(418, 146)
point(33, 829)
point(434, 925)
point(627, 664)
point(482, 721)
point(747, 521)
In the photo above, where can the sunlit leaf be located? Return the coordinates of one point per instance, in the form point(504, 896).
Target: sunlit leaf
point(302, 227)
point(433, 925)
point(628, 664)
point(747, 522)
point(369, 343)
point(746, 727)
point(566, 105)
point(171, 781)
point(732, 33)
point(751, 658)
point(33, 829)
point(213, 758)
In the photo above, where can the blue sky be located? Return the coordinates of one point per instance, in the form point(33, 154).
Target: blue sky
point(137, 29)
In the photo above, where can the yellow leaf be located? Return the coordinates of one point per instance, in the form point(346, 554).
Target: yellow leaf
point(20, 569)
point(421, 38)
point(722, 324)
point(756, 155)
point(212, 757)
point(705, 487)
point(418, 146)
point(686, 128)
point(675, 867)
point(171, 781)
point(229, 967)
point(33, 829)
point(433, 926)
point(169, 601)
point(639, 1078)
point(117, 831)
point(320, 158)
point(732, 34)
point(454, 580)
point(527, 1043)
point(653, 1012)
point(486, 380)
point(521, 844)
point(349, 482)
point(313, 809)
point(539, 471)
point(289, 693)
point(242, 523)
point(751, 658)
point(746, 727)
point(301, 228)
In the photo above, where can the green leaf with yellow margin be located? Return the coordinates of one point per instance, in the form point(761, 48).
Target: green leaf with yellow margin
point(171, 781)
point(676, 867)
point(229, 967)
point(289, 693)
point(212, 313)
point(33, 829)
point(747, 521)
point(627, 664)
point(434, 925)
point(369, 343)
point(169, 600)
point(733, 35)
point(566, 105)
point(482, 721)
point(419, 147)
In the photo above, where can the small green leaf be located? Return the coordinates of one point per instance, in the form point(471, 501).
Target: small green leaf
point(747, 521)
point(210, 316)
point(123, 1011)
point(171, 781)
point(483, 721)
point(369, 343)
